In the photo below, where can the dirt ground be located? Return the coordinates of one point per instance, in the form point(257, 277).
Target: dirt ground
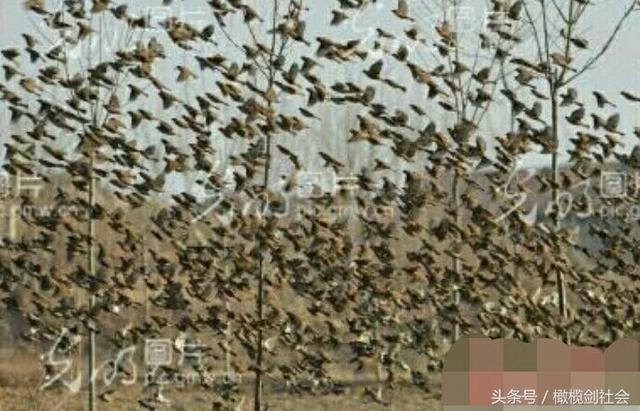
point(21, 379)
point(31, 399)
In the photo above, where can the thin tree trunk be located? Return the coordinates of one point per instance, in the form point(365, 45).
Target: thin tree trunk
point(260, 297)
point(227, 349)
point(258, 367)
point(455, 262)
point(560, 282)
point(146, 286)
point(92, 301)
point(227, 332)
point(379, 368)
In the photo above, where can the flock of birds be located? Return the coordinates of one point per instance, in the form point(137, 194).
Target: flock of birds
point(383, 287)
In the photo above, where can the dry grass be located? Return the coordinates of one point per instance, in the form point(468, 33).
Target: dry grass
point(26, 399)
point(21, 376)
point(19, 368)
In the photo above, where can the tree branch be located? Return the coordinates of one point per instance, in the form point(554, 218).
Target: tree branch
point(605, 47)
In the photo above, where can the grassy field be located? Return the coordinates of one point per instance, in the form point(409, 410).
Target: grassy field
point(29, 399)
point(21, 375)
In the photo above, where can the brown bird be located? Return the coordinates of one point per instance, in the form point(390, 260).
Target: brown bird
point(10, 72)
point(576, 117)
point(515, 10)
point(120, 12)
point(338, 17)
point(167, 98)
point(482, 76)
point(630, 97)
point(373, 72)
point(419, 74)
point(184, 74)
point(165, 128)
point(580, 42)
point(611, 124)
point(402, 10)
point(561, 60)
point(402, 53)
point(30, 40)
point(135, 92)
point(331, 162)
point(601, 100)
point(570, 97)
point(292, 157)
point(30, 85)
point(100, 5)
point(10, 54)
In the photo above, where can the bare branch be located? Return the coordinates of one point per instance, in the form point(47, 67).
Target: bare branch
point(534, 29)
point(607, 44)
point(567, 41)
point(545, 29)
point(567, 20)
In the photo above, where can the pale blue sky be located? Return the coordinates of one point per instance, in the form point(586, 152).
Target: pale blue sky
point(620, 69)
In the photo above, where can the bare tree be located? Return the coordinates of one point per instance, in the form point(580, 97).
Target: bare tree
point(82, 58)
point(273, 33)
point(473, 45)
point(559, 64)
